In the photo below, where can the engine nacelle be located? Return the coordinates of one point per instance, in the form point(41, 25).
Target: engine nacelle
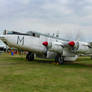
point(56, 47)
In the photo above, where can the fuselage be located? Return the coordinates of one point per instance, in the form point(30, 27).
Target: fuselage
point(34, 44)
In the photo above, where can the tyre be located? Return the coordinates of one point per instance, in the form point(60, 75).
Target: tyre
point(59, 59)
point(30, 56)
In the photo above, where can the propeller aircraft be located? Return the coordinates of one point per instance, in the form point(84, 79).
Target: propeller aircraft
point(46, 46)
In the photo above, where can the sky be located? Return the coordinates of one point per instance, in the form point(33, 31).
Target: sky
point(67, 17)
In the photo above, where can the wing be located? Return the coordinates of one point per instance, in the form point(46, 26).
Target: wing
point(59, 46)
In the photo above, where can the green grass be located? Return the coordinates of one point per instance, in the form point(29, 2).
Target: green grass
point(18, 75)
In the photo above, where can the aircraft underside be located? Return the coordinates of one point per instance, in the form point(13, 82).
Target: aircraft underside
point(51, 55)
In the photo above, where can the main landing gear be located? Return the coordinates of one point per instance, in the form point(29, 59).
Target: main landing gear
point(30, 56)
point(59, 59)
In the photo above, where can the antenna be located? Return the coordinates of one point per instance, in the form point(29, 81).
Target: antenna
point(57, 33)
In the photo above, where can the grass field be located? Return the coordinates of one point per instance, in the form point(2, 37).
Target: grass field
point(18, 75)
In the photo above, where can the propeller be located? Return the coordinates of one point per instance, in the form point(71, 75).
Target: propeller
point(77, 36)
point(73, 44)
point(47, 45)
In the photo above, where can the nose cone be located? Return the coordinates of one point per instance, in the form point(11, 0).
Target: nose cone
point(2, 37)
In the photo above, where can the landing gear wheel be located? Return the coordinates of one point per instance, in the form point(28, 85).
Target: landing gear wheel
point(30, 56)
point(59, 59)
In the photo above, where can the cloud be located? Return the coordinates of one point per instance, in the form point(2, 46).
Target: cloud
point(58, 7)
point(24, 2)
point(47, 16)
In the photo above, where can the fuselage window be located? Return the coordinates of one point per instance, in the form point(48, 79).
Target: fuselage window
point(35, 35)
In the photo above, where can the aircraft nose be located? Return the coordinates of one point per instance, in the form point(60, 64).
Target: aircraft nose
point(2, 37)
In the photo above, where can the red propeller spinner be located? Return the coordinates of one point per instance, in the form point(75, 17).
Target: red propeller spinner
point(71, 43)
point(45, 43)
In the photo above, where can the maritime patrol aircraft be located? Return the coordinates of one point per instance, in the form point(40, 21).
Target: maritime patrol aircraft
point(46, 46)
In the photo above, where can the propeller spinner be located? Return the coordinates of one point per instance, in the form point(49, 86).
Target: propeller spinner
point(45, 43)
point(71, 43)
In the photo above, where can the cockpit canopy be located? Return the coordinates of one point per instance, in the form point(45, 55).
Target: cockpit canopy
point(29, 33)
point(33, 34)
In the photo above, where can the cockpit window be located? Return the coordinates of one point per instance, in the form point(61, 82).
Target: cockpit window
point(13, 32)
point(28, 33)
point(10, 32)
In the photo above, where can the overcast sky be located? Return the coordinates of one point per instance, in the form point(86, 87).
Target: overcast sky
point(64, 16)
